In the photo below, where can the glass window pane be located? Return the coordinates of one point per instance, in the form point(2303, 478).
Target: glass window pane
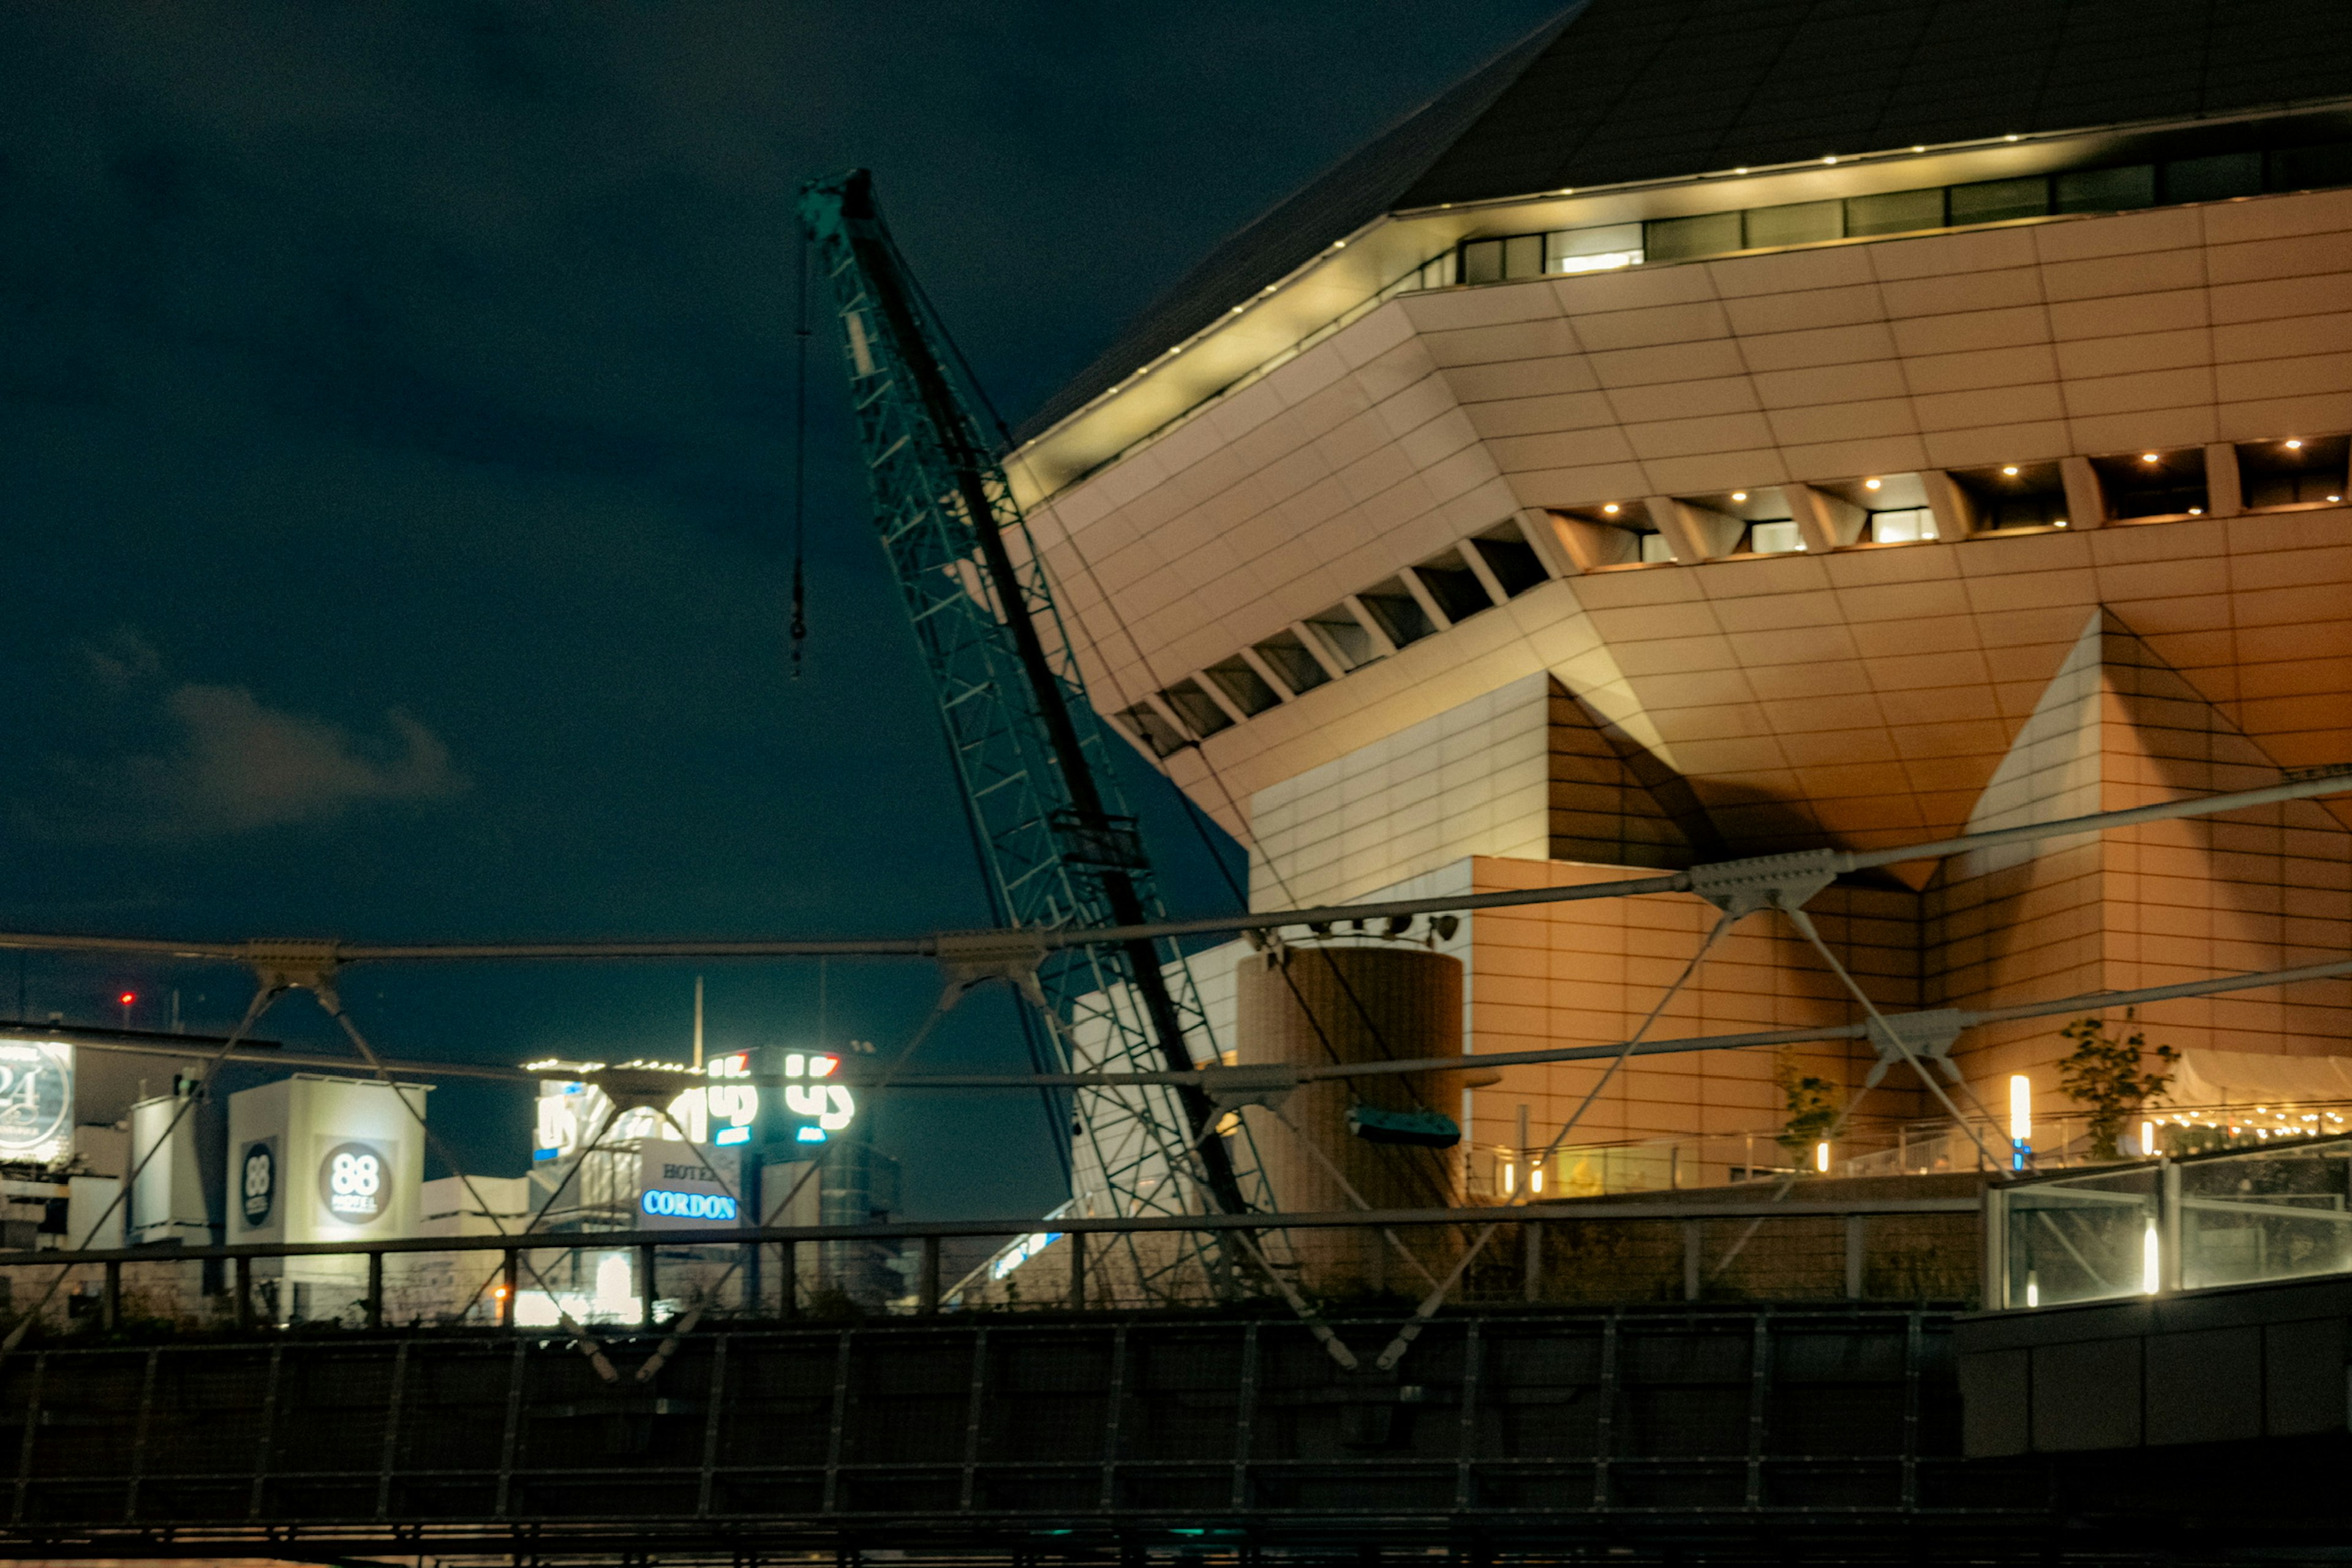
point(1909, 526)
point(1196, 708)
point(1654, 548)
point(1145, 723)
point(1241, 685)
point(2311, 168)
point(1896, 212)
point(1456, 588)
point(1998, 201)
point(1593, 249)
point(1774, 538)
point(2106, 190)
point(1523, 256)
point(1806, 222)
point(1511, 559)
point(2214, 179)
point(1679, 238)
point(1482, 261)
point(1399, 612)
point(1345, 636)
point(1292, 663)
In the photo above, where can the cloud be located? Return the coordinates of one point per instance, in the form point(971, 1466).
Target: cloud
point(230, 764)
point(243, 766)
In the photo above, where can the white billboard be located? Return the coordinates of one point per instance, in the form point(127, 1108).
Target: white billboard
point(36, 1101)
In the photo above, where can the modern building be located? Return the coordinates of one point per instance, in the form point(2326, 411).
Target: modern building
point(1719, 428)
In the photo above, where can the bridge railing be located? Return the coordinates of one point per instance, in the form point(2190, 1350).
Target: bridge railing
point(1809, 1246)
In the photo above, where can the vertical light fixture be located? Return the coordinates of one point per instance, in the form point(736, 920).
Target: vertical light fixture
point(1821, 1157)
point(2032, 1287)
point(2150, 1254)
point(2021, 1119)
point(2148, 1140)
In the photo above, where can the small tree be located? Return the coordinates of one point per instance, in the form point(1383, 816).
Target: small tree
point(1810, 1104)
point(2103, 1075)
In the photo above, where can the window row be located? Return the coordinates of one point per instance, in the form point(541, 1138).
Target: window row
point(1480, 572)
point(2146, 486)
point(1499, 564)
point(2217, 177)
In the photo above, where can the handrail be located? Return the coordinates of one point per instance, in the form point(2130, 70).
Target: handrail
point(1758, 1207)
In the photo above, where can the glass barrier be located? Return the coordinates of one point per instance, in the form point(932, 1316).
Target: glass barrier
point(2089, 1238)
point(2281, 1210)
point(2279, 1213)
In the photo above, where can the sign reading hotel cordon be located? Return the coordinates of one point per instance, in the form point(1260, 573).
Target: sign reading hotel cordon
point(36, 1101)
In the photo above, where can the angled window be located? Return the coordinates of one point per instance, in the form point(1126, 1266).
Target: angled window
point(1291, 662)
point(1680, 238)
point(1805, 223)
point(1244, 687)
point(1600, 249)
point(1512, 560)
point(2158, 482)
point(2295, 471)
point(1196, 708)
point(2014, 495)
point(1344, 637)
point(2214, 179)
point(1143, 722)
point(1894, 212)
point(2106, 190)
point(1998, 201)
point(2310, 168)
point(1401, 620)
point(1456, 588)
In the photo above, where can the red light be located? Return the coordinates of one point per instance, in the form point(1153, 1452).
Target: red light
point(127, 998)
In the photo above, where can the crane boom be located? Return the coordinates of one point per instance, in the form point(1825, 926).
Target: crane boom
point(1030, 752)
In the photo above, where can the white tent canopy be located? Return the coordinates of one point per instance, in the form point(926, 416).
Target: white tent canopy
point(2257, 1077)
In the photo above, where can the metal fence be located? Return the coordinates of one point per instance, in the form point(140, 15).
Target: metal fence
point(1806, 1249)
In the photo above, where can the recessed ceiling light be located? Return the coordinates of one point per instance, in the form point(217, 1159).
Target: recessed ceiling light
point(2196, 512)
point(2294, 445)
point(1831, 159)
point(2008, 138)
point(1917, 148)
point(2011, 470)
point(1740, 495)
point(2148, 457)
point(1869, 484)
point(1610, 507)
point(1739, 171)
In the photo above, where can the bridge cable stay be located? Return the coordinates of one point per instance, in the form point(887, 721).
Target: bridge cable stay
point(1031, 755)
point(1056, 938)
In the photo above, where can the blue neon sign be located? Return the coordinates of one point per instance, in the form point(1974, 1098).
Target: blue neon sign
point(666, 1205)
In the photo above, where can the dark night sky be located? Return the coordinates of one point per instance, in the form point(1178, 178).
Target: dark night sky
point(394, 447)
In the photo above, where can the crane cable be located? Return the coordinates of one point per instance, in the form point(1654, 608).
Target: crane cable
point(800, 445)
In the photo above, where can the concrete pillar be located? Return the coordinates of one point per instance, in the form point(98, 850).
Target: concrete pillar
point(1956, 516)
point(2224, 491)
point(1824, 522)
point(2086, 506)
point(1693, 533)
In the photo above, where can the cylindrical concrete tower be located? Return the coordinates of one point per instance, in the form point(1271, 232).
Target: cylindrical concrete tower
point(1355, 1004)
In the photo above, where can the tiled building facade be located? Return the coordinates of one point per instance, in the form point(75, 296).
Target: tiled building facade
point(1852, 542)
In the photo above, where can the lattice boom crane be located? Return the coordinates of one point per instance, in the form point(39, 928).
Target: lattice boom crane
point(1029, 751)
